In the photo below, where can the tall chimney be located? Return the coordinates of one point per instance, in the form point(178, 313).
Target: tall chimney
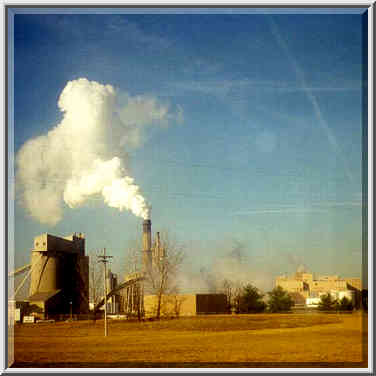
point(158, 242)
point(146, 244)
point(161, 248)
point(156, 250)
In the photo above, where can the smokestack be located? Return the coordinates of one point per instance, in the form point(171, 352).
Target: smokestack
point(157, 249)
point(146, 244)
point(158, 242)
point(161, 250)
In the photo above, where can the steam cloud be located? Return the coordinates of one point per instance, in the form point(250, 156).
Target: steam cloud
point(86, 153)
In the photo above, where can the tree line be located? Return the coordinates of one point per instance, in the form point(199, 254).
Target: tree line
point(328, 303)
point(249, 299)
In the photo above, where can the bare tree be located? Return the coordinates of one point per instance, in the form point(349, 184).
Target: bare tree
point(233, 291)
point(228, 291)
point(133, 257)
point(238, 290)
point(178, 301)
point(171, 304)
point(160, 279)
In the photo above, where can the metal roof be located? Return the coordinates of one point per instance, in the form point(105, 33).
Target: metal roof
point(43, 296)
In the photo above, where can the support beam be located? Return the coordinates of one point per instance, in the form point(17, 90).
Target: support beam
point(123, 285)
point(19, 270)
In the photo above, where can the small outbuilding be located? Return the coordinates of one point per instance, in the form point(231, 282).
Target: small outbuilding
point(186, 304)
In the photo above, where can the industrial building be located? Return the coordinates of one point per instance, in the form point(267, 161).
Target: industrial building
point(59, 285)
point(59, 282)
point(186, 304)
point(306, 290)
point(59, 275)
point(136, 298)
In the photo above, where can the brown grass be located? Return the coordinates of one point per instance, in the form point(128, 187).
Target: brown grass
point(216, 341)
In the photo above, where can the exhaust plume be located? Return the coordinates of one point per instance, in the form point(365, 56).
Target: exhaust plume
point(230, 265)
point(86, 153)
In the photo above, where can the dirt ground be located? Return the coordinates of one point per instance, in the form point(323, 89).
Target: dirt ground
point(261, 340)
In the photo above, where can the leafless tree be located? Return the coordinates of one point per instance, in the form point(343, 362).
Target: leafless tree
point(171, 305)
point(133, 257)
point(177, 303)
point(160, 279)
point(233, 291)
point(228, 291)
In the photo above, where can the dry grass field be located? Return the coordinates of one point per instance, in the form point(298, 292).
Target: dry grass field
point(262, 340)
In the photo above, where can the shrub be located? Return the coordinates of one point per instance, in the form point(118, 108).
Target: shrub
point(251, 300)
point(327, 303)
point(279, 300)
point(345, 304)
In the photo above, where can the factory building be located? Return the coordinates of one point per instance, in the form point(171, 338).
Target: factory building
point(139, 296)
point(59, 282)
point(302, 286)
point(59, 275)
point(186, 304)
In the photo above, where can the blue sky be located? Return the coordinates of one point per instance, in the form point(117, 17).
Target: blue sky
point(269, 151)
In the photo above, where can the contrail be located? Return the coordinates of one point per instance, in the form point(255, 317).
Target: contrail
point(311, 97)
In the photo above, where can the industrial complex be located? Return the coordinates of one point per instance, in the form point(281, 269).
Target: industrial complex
point(59, 284)
point(307, 290)
point(137, 298)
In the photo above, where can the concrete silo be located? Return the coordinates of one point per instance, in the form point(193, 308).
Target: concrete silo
point(44, 274)
point(59, 275)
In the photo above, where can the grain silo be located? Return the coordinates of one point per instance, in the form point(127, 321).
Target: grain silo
point(59, 275)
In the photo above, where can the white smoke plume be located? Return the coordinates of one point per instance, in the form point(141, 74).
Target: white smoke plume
point(86, 153)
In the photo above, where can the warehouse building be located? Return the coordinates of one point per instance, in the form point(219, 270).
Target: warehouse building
point(186, 304)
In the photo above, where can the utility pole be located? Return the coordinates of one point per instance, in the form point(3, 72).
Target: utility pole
point(105, 259)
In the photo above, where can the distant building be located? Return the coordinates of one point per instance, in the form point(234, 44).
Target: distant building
point(312, 302)
point(302, 286)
